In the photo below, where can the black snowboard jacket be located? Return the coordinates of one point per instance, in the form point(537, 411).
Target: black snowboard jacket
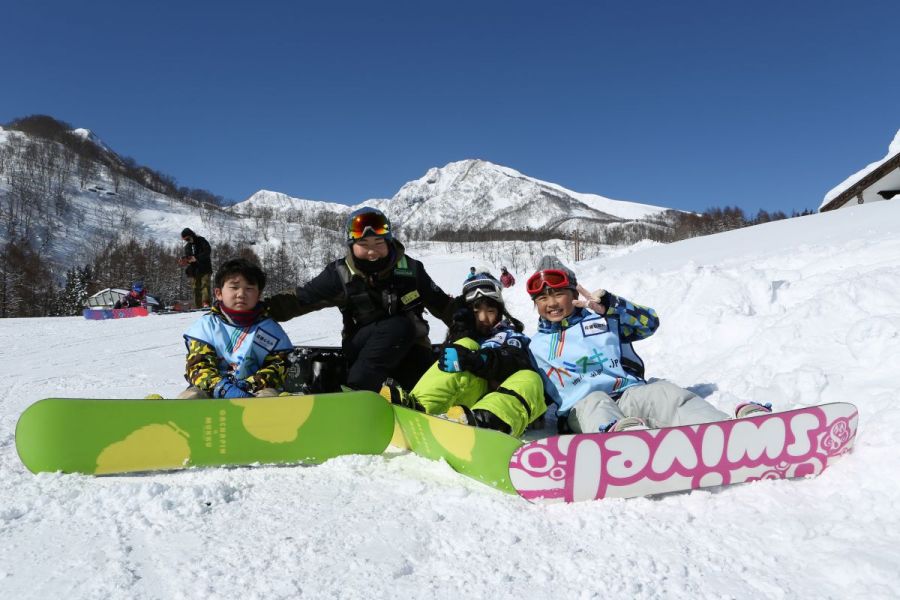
point(200, 250)
point(401, 288)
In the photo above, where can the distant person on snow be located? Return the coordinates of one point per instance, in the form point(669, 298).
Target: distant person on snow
point(236, 350)
point(197, 260)
point(506, 278)
point(484, 376)
point(472, 273)
point(589, 367)
point(382, 294)
point(136, 297)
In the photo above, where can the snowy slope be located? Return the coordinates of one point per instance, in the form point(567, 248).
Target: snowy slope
point(102, 210)
point(796, 312)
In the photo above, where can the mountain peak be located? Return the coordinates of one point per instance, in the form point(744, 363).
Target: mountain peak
point(280, 202)
point(89, 136)
point(476, 194)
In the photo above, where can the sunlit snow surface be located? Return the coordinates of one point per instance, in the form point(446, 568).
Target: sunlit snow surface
point(796, 312)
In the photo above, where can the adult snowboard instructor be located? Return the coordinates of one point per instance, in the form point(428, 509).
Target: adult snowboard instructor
point(197, 260)
point(382, 294)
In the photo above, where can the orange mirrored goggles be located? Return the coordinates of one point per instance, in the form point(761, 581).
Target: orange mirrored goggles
point(552, 278)
point(368, 224)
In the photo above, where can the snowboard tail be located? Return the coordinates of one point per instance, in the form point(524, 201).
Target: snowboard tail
point(794, 443)
point(122, 436)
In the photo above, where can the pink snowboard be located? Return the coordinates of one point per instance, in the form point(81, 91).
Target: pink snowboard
point(95, 314)
point(590, 466)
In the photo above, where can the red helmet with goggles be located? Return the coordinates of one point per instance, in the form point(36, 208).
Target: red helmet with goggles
point(556, 279)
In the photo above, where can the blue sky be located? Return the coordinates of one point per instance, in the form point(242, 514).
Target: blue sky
point(684, 104)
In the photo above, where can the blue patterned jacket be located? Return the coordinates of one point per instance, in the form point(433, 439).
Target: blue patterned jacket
point(587, 352)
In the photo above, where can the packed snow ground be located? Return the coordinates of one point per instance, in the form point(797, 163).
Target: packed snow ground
point(795, 313)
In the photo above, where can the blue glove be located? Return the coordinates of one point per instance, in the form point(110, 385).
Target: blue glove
point(229, 388)
point(455, 358)
point(448, 361)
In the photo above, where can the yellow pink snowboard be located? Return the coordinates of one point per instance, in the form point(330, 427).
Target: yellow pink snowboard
point(120, 436)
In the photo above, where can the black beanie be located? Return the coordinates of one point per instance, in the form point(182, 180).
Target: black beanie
point(187, 232)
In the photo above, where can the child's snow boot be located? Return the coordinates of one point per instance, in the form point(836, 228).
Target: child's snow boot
point(751, 409)
point(484, 419)
point(393, 393)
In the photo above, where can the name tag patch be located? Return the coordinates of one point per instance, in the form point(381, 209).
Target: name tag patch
point(409, 297)
point(594, 327)
point(265, 340)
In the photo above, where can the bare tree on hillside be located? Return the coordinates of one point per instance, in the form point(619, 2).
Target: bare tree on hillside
point(212, 217)
point(6, 153)
point(87, 170)
point(280, 269)
point(115, 177)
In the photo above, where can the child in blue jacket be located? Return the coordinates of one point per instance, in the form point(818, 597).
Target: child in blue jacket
point(236, 350)
point(589, 367)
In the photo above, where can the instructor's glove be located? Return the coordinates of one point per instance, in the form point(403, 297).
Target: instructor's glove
point(455, 358)
point(283, 306)
point(463, 324)
point(229, 388)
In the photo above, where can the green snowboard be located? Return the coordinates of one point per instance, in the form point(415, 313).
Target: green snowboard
point(122, 436)
point(482, 454)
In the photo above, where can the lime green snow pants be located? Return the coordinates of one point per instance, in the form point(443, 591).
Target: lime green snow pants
point(518, 401)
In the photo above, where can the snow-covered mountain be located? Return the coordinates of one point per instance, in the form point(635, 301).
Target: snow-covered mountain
point(479, 195)
point(89, 136)
point(476, 195)
point(98, 198)
point(70, 204)
point(282, 203)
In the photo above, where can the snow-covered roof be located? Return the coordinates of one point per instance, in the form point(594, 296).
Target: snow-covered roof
point(873, 183)
point(106, 298)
